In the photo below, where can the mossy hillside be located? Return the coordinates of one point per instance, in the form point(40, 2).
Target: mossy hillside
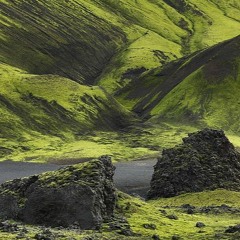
point(133, 144)
point(197, 89)
point(139, 42)
point(81, 39)
point(138, 143)
point(185, 26)
point(211, 104)
point(54, 99)
point(42, 111)
point(66, 38)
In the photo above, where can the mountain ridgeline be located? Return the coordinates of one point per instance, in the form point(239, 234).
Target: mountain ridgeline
point(81, 39)
point(69, 68)
point(201, 88)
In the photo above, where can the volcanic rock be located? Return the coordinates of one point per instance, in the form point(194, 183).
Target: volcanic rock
point(81, 194)
point(205, 161)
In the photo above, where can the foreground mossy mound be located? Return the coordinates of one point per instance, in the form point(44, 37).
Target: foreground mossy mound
point(205, 160)
point(168, 217)
point(65, 195)
point(81, 195)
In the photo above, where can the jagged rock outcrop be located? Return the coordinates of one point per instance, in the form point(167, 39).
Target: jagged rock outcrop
point(205, 161)
point(81, 194)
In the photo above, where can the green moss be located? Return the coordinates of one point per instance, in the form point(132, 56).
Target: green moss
point(43, 112)
point(49, 114)
point(62, 177)
point(208, 198)
point(139, 213)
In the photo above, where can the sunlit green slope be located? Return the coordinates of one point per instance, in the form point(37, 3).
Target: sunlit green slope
point(48, 106)
point(117, 45)
point(202, 89)
point(101, 41)
point(168, 29)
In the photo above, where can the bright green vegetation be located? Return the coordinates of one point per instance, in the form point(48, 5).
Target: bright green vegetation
point(57, 37)
point(209, 96)
point(167, 29)
point(139, 212)
point(132, 51)
point(208, 198)
point(50, 49)
point(43, 112)
point(82, 39)
point(201, 89)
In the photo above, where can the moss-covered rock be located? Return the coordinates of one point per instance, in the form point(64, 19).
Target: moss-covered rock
point(205, 161)
point(81, 194)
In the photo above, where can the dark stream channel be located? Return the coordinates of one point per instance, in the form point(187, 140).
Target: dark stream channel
point(130, 177)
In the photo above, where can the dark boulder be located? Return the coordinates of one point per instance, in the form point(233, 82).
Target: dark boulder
point(200, 225)
point(233, 229)
point(205, 161)
point(81, 194)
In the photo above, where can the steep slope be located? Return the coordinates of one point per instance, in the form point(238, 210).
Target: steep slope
point(46, 45)
point(34, 106)
point(170, 29)
point(201, 89)
point(81, 39)
point(58, 37)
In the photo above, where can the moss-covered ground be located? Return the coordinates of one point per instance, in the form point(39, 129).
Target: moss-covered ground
point(48, 48)
point(156, 212)
point(135, 144)
point(141, 214)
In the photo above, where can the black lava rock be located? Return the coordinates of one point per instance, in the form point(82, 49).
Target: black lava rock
point(150, 226)
point(9, 227)
point(200, 224)
point(155, 237)
point(172, 217)
point(176, 237)
point(82, 195)
point(205, 161)
point(233, 229)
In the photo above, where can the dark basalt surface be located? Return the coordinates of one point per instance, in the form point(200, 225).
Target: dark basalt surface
point(205, 161)
point(81, 194)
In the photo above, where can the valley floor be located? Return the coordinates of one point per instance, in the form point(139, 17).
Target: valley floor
point(136, 143)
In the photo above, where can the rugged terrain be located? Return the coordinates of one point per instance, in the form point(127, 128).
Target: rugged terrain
point(205, 161)
point(80, 79)
point(81, 195)
point(75, 73)
point(54, 198)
